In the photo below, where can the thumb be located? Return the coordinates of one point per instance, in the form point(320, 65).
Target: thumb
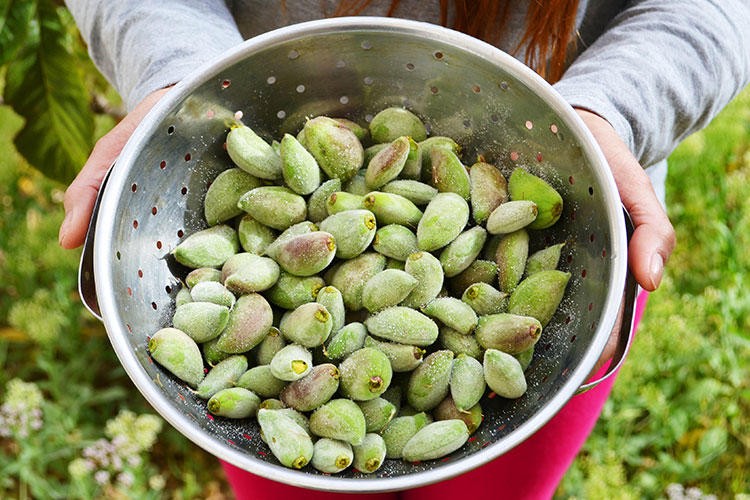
point(81, 194)
point(653, 239)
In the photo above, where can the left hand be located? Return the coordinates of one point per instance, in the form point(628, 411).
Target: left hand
point(653, 239)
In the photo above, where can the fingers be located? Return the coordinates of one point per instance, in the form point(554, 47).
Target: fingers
point(81, 194)
point(653, 240)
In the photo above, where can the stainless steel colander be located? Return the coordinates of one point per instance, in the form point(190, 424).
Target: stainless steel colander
point(354, 67)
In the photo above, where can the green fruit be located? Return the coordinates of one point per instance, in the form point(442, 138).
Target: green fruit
point(252, 154)
point(365, 374)
point(304, 254)
point(485, 299)
point(249, 322)
point(503, 374)
point(209, 247)
point(202, 321)
point(234, 402)
point(387, 288)
point(291, 363)
point(395, 241)
point(545, 259)
point(510, 258)
point(428, 271)
point(449, 175)
point(511, 333)
point(444, 219)
point(453, 313)
point(436, 440)
point(467, 383)
point(417, 192)
point(222, 376)
point(335, 147)
point(331, 455)
point(220, 202)
point(387, 164)
point(178, 353)
point(403, 357)
point(254, 236)
point(331, 298)
point(339, 419)
point(488, 190)
point(403, 325)
point(523, 185)
point(400, 430)
point(391, 123)
point(260, 380)
point(369, 456)
point(539, 295)
point(461, 252)
point(214, 292)
point(313, 390)
point(345, 341)
point(291, 291)
point(350, 277)
point(511, 216)
point(275, 206)
point(289, 442)
point(392, 209)
point(298, 167)
point(378, 412)
point(317, 209)
point(246, 272)
point(353, 231)
point(308, 325)
point(429, 382)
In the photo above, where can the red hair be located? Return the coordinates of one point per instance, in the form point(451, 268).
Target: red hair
point(549, 33)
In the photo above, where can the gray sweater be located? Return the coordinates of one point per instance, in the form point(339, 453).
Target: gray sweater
point(657, 70)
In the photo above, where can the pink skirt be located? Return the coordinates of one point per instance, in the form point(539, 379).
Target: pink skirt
point(531, 470)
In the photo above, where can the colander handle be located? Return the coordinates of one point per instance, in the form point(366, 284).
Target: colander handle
point(86, 282)
point(626, 326)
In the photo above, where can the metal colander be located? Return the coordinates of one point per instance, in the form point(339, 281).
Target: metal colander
point(354, 67)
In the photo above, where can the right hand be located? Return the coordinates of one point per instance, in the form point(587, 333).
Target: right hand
point(81, 194)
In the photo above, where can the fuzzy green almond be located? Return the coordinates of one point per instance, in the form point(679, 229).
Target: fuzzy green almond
point(443, 220)
point(275, 206)
point(436, 440)
point(261, 381)
point(298, 167)
point(254, 236)
point(253, 154)
point(234, 402)
point(250, 320)
point(202, 321)
point(387, 288)
point(331, 456)
point(353, 231)
point(365, 374)
point(429, 383)
point(391, 123)
point(209, 247)
point(178, 353)
point(489, 189)
point(289, 442)
point(225, 374)
point(291, 363)
point(341, 419)
point(220, 202)
point(313, 390)
point(370, 455)
point(403, 325)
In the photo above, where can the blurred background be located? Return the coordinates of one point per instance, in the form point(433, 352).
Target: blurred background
point(72, 425)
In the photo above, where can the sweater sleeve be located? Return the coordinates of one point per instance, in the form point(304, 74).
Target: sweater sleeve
point(663, 70)
point(143, 46)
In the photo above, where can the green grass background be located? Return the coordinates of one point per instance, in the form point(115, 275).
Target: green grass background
point(677, 422)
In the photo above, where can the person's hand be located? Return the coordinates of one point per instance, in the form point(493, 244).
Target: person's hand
point(81, 194)
point(653, 239)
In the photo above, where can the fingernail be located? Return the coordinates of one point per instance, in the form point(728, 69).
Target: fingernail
point(656, 269)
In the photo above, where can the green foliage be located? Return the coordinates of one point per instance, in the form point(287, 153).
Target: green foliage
point(45, 86)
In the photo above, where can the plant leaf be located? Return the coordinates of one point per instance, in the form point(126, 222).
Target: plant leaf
point(15, 23)
point(45, 87)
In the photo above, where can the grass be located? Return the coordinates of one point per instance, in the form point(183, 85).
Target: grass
point(677, 419)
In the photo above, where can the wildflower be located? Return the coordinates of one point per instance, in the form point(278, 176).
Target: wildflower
point(157, 482)
point(21, 410)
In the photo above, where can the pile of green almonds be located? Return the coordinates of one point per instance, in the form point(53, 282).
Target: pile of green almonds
point(360, 302)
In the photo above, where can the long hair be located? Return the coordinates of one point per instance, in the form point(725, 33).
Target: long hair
point(549, 33)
